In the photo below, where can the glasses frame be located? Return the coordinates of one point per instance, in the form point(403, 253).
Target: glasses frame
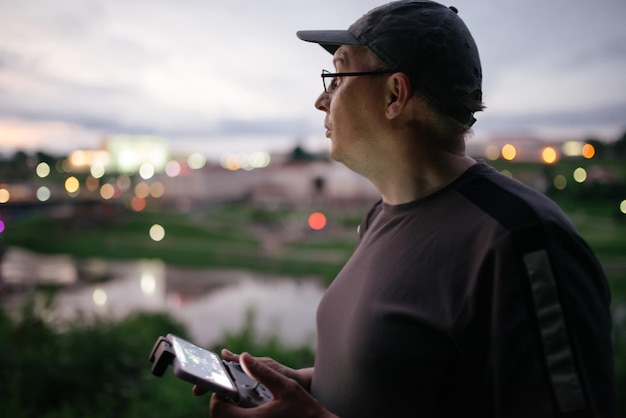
point(327, 74)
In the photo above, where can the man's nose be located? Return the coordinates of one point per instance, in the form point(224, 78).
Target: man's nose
point(323, 102)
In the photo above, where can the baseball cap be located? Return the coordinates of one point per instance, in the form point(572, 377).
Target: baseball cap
point(423, 39)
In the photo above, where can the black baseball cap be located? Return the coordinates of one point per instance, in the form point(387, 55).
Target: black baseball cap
point(423, 39)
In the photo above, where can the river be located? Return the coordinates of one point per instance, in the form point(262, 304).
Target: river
point(207, 302)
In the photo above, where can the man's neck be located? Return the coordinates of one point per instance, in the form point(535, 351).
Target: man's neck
point(407, 181)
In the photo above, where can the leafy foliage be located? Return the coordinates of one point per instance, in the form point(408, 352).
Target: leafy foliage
point(92, 369)
point(100, 368)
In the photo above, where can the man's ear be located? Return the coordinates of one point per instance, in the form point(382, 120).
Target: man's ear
point(398, 94)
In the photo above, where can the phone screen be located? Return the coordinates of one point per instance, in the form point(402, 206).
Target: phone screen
point(201, 363)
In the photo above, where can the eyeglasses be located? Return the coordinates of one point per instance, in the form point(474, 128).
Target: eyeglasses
point(329, 86)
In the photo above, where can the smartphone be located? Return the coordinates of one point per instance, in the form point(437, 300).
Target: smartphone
point(206, 369)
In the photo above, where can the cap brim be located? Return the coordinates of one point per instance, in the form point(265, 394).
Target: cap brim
point(330, 40)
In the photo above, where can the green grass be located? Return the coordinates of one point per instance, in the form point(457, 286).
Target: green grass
point(223, 237)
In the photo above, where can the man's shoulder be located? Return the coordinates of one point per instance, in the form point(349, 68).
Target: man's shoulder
point(509, 201)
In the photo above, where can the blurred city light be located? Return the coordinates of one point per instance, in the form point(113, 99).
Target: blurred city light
point(588, 151)
point(247, 162)
point(142, 190)
point(130, 152)
point(492, 152)
point(97, 170)
point(5, 195)
point(148, 282)
point(230, 162)
point(172, 169)
point(157, 232)
point(146, 171)
point(92, 183)
point(196, 161)
point(99, 297)
point(123, 182)
point(61, 165)
point(560, 182)
point(157, 189)
point(572, 148)
point(107, 191)
point(549, 155)
point(42, 170)
point(137, 204)
point(509, 152)
point(43, 194)
point(84, 160)
point(317, 221)
point(72, 185)
point(580, 175)
point(259, 159)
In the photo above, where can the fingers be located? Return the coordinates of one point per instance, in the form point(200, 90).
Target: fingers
point(273, 380)
point(198, 391)
point(219, 407)
point(229, 356)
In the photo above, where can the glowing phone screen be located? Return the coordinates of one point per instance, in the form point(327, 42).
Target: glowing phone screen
point(202, 363)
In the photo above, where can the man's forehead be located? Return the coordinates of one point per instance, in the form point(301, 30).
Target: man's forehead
point(346, 54)
point(340, 56)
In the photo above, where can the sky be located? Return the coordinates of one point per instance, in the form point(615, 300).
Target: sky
point(231, 76)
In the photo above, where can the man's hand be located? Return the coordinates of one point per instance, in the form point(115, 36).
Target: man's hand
point(289, 388)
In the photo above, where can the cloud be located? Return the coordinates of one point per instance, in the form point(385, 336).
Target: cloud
point(196, 69)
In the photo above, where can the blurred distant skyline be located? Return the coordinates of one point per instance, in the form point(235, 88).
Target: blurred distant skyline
point(232, 76)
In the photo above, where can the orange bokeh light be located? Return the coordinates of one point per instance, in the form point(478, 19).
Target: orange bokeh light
point(509, 152)
point(588, 151)
point(138, 204)
point(317, 221)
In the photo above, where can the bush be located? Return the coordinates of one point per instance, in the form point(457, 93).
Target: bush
point(100, 368)
point(94, 369)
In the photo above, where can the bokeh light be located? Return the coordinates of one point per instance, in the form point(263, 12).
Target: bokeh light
point(509, 152)
point(72, 185)
point(124, 182)
point(173, 169)
point(549, 155)
point(43, 194)
point(146, 171)
point(42, 170)
point(317, 221)
point(196, 161)
point(148, 283)
point(97, 170)
point(232, 162)
point(92, 183)
point(142, 190)
point(107, 191)
point(1, 226)
point(157, 189)
point(99, 297)
point(580, 175)
point(622, 206)
point(5, 195)
point(157, 232)
point(588, 151)
point(138, 204)
point(560, 182)
point(259, 159)
point(492, 152)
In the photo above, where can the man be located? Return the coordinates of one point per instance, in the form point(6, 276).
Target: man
point(469, 294)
